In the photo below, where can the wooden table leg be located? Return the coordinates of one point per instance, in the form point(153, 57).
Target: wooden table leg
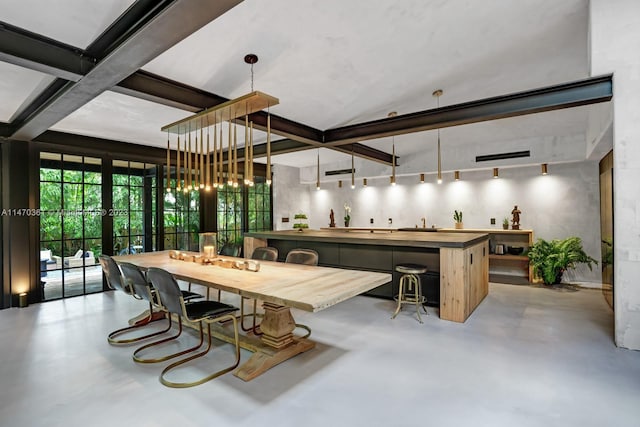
point(277, 326)
point(277, 333)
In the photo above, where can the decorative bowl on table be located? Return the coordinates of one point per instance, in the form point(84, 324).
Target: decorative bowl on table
point(516, 250)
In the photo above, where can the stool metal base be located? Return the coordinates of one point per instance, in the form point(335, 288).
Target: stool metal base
point(413, 283)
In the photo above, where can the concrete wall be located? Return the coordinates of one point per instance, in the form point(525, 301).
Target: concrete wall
point(289, 196)
point(615, 38)
point(563, 203)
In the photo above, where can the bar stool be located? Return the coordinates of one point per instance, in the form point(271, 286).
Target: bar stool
point(411, 280)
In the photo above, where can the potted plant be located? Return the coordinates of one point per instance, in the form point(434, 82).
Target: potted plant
point(457, 217)
point(505, 223)
point(301, 221)
point(549, 260)
point(347, 215)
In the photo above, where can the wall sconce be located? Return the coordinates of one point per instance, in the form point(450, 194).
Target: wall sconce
point(495, 173)
point(456, 175)
point(340, 184)
point(421, 178)
point(543, 167)
point(364, 182)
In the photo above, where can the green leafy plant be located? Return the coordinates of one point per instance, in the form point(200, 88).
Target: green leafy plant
point(457, 216)
point(550, 259)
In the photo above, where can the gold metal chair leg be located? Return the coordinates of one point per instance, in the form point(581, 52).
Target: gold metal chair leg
point(143, 322)
point(162, 341)
point(308, 329)
point(216, 374)
point(254, 327)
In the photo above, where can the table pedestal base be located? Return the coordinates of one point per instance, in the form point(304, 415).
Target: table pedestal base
point(274, 346)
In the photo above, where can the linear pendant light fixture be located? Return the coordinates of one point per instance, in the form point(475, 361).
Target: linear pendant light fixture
point(438, 94)
point(353, 171)
point(232, 112)
point(318, 172)
point(392, 179)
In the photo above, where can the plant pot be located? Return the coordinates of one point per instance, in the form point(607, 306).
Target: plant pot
point(346, 223)
point(505, 226)
point(459, 225)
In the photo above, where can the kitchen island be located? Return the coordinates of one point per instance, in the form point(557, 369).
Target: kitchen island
point(459, 261)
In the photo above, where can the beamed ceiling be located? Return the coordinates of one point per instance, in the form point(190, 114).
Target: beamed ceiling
point(122, 69)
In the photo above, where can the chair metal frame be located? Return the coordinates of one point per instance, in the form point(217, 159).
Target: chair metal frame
point(171, 298)
point(117, 281)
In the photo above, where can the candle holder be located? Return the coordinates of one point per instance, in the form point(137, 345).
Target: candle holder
point(207, 245)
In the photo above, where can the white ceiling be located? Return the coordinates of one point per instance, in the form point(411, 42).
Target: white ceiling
point(336, 62)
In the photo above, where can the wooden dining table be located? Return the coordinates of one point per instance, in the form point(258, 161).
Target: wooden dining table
point(280, 287)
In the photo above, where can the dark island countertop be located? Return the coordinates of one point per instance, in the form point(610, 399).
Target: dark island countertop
point(400, 238)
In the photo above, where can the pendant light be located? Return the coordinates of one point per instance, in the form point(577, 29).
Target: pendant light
point(495, 173)
point(437, 94)
point(168, 164)
point(353, 171)
point(456, 175)
point(392, 179)
point(318, 172)
point(199, 173)
point(543, 168)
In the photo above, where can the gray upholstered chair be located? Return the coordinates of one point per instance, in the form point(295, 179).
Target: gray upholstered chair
point(230, 249)
point(305, 257)
point(266, 253)
point(197, 312)
point(302, 256)
point(116, 281)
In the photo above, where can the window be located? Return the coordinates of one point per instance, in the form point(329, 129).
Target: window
point(230, 215)
point(134, 207)
point(259, 201)
point(70, 225)
point(181, 219)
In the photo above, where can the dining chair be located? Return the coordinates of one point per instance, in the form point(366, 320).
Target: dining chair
point(266, 253)
point(196, 312)
point(302, 256)
point(230, 249)
point(116, 281)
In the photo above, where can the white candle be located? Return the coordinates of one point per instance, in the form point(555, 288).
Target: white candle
point(208, 251)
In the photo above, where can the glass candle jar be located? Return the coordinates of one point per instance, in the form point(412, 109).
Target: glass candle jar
point(207, 244)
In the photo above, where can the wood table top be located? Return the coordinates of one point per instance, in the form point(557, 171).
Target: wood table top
point(304, 287)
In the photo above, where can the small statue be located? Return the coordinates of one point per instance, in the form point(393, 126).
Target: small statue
point(333, 219)
point(516, 218)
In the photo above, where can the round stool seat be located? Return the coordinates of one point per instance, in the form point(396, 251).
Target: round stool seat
point(411, 269)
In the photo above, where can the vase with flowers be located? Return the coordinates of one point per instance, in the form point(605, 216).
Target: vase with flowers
point(347, 215)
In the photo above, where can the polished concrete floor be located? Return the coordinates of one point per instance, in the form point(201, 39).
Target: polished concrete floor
point(527, 357)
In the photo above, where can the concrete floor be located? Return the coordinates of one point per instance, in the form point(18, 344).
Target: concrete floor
point(527, 357)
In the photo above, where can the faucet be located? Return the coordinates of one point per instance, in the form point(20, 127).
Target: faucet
point(424, 222)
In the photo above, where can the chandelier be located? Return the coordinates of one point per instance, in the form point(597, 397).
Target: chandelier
point(203, 165)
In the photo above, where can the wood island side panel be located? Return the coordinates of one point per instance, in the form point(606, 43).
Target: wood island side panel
point(464, 280)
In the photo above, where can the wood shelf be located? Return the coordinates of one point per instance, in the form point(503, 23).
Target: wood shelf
point(509, 257)
point(507, 263)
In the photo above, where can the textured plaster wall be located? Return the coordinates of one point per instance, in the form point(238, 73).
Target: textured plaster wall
point(289, 196)
point(615, 37)
point(564, 203)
